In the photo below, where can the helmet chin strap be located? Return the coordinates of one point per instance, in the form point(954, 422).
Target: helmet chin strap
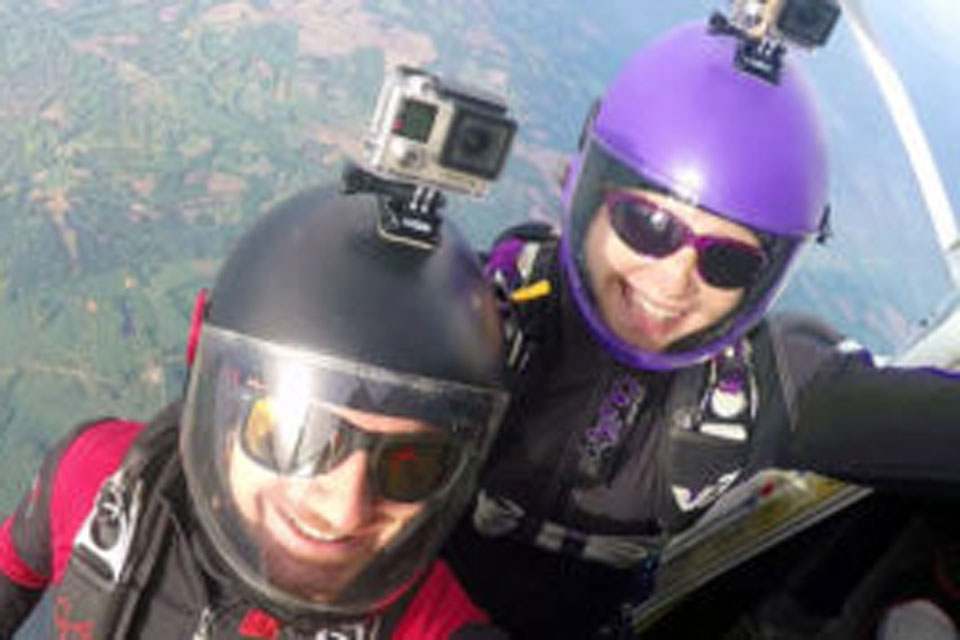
point(196, 323)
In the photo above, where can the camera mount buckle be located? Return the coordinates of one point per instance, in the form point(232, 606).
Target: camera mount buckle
point(765, 29)
point(761, 57)
point(409, 212)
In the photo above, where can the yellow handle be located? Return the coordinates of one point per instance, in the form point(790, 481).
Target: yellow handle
point(530, 292)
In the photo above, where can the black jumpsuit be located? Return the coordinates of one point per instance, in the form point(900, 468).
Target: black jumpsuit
point(593, 452)
point(185, 594)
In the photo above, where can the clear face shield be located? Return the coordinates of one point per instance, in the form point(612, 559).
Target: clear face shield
point(327, 485)
point(606, 186)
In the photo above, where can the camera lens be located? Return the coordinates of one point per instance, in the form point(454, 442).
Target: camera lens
point(478, 143)
point(808, 22)
point(474, 141)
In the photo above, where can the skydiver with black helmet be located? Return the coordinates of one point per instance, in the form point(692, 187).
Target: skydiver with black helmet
point(343, 394)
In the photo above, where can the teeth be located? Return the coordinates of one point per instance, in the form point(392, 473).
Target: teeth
point(654, 310)
point(315, 534)
point(662, 314)
point(635, 299)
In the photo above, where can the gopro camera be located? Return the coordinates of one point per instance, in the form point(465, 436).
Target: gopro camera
point(805, 23)
point(767, 27)
point(437, 133)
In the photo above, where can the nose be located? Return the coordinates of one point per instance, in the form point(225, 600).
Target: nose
point(342, 497)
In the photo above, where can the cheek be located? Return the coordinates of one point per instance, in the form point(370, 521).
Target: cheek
point(399, 515)
point(402, 511)
point(604, 254)
point(613, 262)
point(718, 303)
point(592, 253)
point(249, 484)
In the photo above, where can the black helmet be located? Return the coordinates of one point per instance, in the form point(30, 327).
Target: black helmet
point(314, 314)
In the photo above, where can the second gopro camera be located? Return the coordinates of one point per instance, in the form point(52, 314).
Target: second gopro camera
point(804, 23)
point(437, 133)
point(766, 28)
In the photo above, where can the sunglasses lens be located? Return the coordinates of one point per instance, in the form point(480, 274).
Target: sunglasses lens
point(654, 232)
point(258, 431)
point(645, 229)
point(730, 265)
point(406, 468)
point(412, 471)
point(311, 442)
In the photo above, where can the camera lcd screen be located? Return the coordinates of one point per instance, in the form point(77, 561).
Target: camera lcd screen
point(415, 120)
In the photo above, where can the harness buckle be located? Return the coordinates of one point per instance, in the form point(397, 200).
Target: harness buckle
point(104, 540)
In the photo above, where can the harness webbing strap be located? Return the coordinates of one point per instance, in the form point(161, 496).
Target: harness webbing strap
point(126, 532)
point(499, 516)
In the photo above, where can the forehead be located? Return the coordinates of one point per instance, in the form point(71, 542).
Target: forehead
point(701, 221)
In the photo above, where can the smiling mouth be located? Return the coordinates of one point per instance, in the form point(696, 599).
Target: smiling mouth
point(657, 312)
point(312, 533)
point(303, 535)
point(654, 310)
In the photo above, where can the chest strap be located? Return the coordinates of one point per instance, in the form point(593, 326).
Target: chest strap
point(498, 516)
point(118, 544)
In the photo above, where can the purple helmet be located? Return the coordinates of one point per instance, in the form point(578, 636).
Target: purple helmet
point(682, 119)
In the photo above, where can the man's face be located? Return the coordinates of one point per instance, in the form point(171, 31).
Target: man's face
point(318, 533)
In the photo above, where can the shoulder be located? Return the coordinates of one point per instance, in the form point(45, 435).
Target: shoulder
point(91, 455)
point(441, 609)
point(97, 447)
point(533, 230)
point(35, 541)
point(803, 328)
point(793, 354)
point(802, 347)
point(520, 250)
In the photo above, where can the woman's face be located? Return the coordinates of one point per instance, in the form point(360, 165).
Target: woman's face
point(651, 302)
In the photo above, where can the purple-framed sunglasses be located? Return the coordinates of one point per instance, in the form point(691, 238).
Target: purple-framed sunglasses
point(652, 230)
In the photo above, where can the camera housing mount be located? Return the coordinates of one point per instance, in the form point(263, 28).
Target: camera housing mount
point(766, 28)
point(435, 132)
point(427, 135)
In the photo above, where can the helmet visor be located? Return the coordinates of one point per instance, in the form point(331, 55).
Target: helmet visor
point(271, 436)
point(604, 182)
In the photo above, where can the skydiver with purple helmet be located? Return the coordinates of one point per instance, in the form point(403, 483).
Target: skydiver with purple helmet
point(650, 379)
